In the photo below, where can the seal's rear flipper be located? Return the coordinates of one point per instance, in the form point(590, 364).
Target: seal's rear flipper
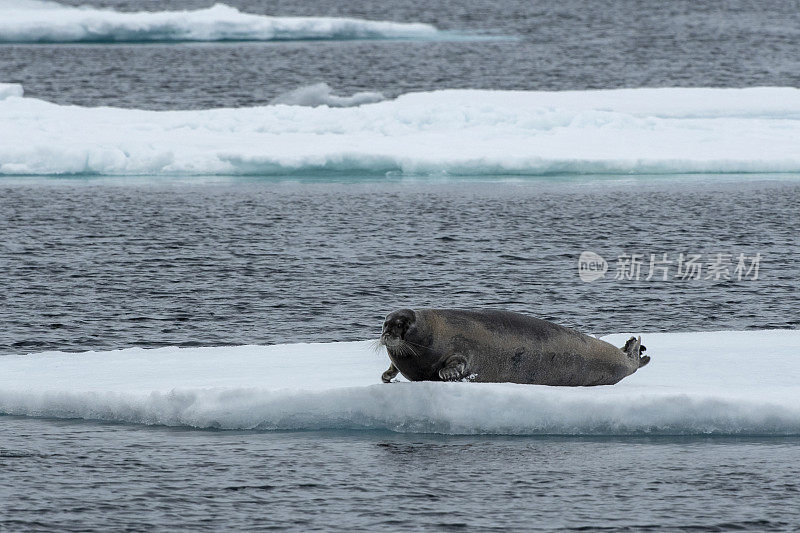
point(634, 349)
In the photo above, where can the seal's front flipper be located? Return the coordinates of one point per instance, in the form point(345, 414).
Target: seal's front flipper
point(634, 349)
point(390, 374)
point(455, 369)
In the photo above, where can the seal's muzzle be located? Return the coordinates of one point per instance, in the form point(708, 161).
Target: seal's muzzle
point(395, 327)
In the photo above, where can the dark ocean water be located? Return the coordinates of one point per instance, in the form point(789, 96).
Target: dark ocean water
point(105, 263)
point(109, 477)
point(558, 45)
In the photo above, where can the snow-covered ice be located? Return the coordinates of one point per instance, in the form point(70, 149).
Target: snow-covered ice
point(459, 132)
point(35, 21)
point(729, 383)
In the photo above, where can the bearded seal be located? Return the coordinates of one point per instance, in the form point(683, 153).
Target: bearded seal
point(489, 346)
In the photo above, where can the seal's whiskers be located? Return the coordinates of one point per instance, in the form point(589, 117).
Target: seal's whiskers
point(376, 345)
point(406, 348)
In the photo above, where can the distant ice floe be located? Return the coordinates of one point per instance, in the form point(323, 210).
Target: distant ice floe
point(10, 89)
point(322, 94)
point(447, 132)
point(709, 383)
point(33, 21)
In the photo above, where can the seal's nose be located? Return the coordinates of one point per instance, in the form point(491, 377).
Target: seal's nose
point(391, 330)
point(390, 338)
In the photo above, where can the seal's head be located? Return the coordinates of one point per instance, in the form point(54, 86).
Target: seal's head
point(396, 328)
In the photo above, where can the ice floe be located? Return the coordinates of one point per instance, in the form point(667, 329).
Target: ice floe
point(447, 132)
point(322, 94)
point(33, 21)
point(723, 383)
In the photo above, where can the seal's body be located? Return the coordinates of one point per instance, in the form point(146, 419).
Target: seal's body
point(491, 346)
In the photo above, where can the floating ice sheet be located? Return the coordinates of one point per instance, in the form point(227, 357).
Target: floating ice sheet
point(725, 383)
point(32, 21)
point(448, 132)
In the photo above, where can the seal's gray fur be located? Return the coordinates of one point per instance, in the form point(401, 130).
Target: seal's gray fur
point(492, 346)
